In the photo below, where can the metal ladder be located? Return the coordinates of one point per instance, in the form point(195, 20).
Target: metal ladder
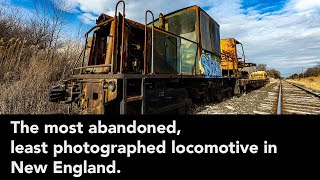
point(126, 99)
point(141, 97)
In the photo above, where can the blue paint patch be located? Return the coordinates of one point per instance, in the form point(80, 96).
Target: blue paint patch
point(211, 67)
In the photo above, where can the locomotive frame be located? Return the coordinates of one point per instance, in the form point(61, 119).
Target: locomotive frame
point(160, 67)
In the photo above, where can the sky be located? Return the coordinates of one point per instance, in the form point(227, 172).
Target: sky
point(284, 34)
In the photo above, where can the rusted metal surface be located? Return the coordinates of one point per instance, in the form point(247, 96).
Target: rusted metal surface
point(143, 94)
point(94, 66)
point(123, 103)
point(259, 75)
point(229, 58)
point(152, 42)
point(123, 32)
point(134, 98)
point(136, 76)
point(252, 82)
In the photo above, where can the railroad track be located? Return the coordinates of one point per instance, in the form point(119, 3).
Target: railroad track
point(294, 99)
point(268, 104)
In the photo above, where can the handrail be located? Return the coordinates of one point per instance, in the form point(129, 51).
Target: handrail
point(94, 66)
point(76, 63)
point(145, 43)
point(99, 25)
point(123, 10)
point(175, 35)
point(84, 53)
point(86, 36)
point(122, 38)
point(243, 54)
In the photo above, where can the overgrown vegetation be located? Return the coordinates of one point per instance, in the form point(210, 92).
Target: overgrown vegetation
point(309, 79)
point(273, 73)
point(313, 72)
point(33, 56)
point(310, 72)
point(309, 82)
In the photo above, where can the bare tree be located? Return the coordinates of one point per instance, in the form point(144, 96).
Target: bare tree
point(313, 72)
point(49, 23)
point(10, 22)
point(261, 67)
point(274, 73)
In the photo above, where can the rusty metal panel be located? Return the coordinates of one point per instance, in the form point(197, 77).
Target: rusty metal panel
point(258, 75)
point(92, 101)
point(229, 58)
point(95, 94)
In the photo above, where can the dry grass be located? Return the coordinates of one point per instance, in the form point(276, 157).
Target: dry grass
point(26, 76)
point(310, 82)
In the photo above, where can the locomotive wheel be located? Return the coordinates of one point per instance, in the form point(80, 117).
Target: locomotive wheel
point(207, 98)
point(212, 95)
point(229, 94)
point(182, 111)
point(219, 97)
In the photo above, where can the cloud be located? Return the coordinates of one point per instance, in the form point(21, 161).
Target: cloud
point(134, 8)
point(285, 38)
point(303, 5)
point(282, 39)
point(87, 18)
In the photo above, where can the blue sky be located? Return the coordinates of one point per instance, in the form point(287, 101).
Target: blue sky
point(284, 34)
point(264, 6)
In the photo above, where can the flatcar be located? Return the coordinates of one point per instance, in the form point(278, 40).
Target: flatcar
point(259, 75)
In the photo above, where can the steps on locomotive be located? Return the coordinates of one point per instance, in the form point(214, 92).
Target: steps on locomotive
point(132, 92)
point(151, 99)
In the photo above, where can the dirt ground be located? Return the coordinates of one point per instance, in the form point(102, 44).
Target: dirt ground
point(259, 101)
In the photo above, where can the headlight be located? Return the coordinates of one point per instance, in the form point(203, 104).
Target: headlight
point(111, 86)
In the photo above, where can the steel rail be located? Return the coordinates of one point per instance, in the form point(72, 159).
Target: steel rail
point(279, 105)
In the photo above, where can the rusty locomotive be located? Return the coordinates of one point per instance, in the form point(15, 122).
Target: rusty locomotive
point(157, 67)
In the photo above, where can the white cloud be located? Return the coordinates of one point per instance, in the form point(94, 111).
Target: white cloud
point(284, 39)
point(87, 18)
point(302, 5)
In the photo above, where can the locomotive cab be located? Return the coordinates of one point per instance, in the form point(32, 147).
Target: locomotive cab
point(198, 41)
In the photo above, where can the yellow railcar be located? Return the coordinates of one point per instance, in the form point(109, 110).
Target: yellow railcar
point(259, 75)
